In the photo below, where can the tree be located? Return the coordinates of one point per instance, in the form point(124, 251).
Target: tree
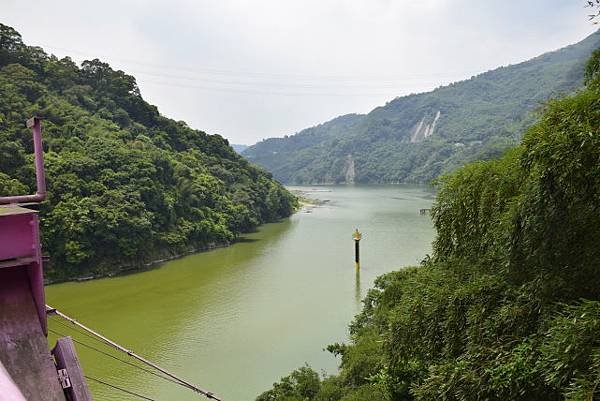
point(125, 184)
point(11, 45)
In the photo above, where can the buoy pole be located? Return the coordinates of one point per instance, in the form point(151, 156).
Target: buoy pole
point(357, 236)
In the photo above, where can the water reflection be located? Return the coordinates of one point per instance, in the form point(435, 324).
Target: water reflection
point(357, 290)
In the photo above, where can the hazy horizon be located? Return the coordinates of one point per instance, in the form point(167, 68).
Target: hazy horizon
point(250, 71)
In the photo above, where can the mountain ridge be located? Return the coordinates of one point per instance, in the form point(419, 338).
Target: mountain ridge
point(417, 137)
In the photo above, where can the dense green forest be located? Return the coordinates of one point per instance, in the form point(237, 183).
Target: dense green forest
point(418, 137)
point(126, 185)
point(508, 305)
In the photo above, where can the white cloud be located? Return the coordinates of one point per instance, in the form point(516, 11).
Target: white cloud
point(255, 69)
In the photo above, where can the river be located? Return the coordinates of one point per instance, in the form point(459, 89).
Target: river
point(236, 319)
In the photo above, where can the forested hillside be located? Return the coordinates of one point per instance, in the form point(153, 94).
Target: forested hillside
point(418, 137)
point(508, 305)
point(126, 185)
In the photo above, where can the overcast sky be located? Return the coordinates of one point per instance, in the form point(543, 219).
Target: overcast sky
point(250, 70)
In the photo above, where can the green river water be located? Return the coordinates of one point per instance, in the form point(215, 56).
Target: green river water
point(236, 319)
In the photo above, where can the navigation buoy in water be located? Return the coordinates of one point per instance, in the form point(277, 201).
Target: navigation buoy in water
point(357, 236)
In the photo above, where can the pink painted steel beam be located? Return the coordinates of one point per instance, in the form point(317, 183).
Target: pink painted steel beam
point(20, 249)
point(40, 178)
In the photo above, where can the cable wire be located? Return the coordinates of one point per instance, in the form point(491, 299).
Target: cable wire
point(109, 342)
point(195, 69)
point(143, 397)
point(116, 358)
point(75, 329)
point(261, 92)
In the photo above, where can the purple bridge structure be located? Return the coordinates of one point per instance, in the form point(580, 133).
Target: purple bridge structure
point(29, 370)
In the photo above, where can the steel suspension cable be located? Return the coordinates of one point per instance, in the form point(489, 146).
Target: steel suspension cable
point(143, 397)
point(115, 357)
point(182, 382)
point(75, 329)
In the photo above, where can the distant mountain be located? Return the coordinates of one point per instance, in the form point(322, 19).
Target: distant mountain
point(239, 148)
point(417, 137)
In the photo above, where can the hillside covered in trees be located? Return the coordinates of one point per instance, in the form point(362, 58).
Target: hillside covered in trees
point(418, 137)
point(126, 185)
point(508, 305)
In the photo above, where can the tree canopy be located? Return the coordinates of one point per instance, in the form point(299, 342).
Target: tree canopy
point(126, 185)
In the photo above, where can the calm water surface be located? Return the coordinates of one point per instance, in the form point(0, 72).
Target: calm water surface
point(236, 319)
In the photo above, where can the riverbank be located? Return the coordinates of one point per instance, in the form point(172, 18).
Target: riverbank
point(306, 202)
point(162, 256)
point(132, 268)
